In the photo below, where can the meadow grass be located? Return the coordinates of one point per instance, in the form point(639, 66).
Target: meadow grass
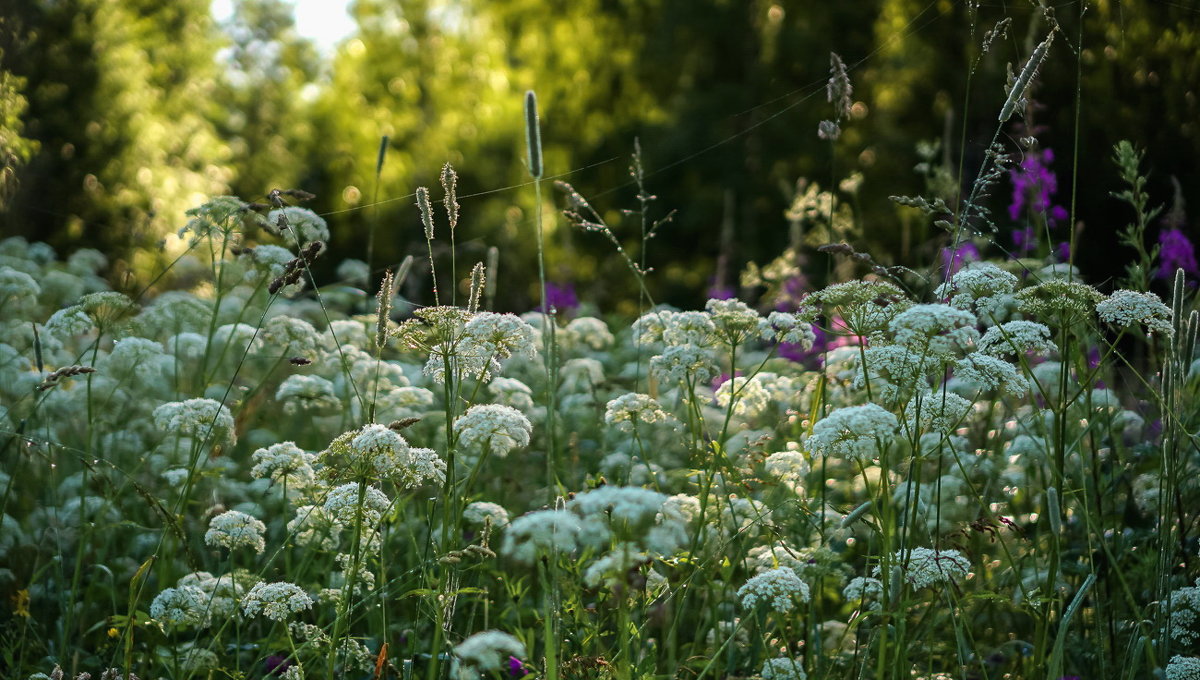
point(980, 469)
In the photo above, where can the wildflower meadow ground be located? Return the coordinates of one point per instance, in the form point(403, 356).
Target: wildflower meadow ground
point(986, 468)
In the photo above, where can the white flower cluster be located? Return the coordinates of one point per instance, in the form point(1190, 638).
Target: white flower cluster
point(284, 463)
point(196, 418)
point(1127, 307)
point(222, 594)
point(303, 225)
point(984, 372)
point(488, 650)
point(233, 530)
point(1185, 613)
point(940, 412)
point(940, 330)
point(982, 286)
point(276, 601)
point(854, 432)
point(392, 458)
point(308, 394)
point(779, 589)
point(483, 513)
point(926, 567)
point(1183, 668)
point(180, 606)
point(681, 363)
point(628, 410)
point(342, 504)
point(783, 668)
point(749, 396)
point(500, 428)
point(589, 332)
point(539, 532)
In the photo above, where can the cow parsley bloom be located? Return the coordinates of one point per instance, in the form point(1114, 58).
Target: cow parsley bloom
point(628, 410)
point(342, 504)
point(308, 394)
point(854, 432)
point(180, 606)
point(284, 463)
point(1127, 307)
point(780, 589)
point(539, 532)
point(1183, 668)
point(196, 418)
point(925, 567)
point(483, 513)
point(500, 428)
point(487, 651)
point(935, 329)
point(985, 372)
point(939, 412)
point(750, 395)
point(981, 286)
point(1016, 338)
point(783, 668)
point(680, 363)
point(234, 530)
point(276, 601)
point(786, 328)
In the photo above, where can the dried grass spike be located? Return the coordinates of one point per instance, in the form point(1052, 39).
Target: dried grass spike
point(450, 187)
point(426, 212)
point(533, 135)
point(1017, 92)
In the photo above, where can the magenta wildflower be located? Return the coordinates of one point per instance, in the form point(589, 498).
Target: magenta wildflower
point(1176, 252)
point(561, 297)
point(516, 667)
point(952, 261)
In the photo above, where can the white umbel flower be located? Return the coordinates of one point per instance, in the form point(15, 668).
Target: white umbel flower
point(539, 532)
point(501, 428)
point(926, 567)
point(234, 530)
point(854, 432)
point(196, 418)
point(276, 601)
point(1128, 307)
point(1183, 668)
point(783, 668)
point(780, 589)
point(182, 606)
point(627, 411)
point(487, 651)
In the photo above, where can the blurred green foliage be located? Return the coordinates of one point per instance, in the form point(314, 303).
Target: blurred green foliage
point(138, 110)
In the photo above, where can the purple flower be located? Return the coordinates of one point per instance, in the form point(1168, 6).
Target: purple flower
point(1034, 186)
point(1176, 252)
point(1024, 241)
point(722, 379)
point(516, 668)
point(277, 664)
point(717, 291)
point(561, 297)
point(1062, 251)
point(791, 294)
point(954, 260)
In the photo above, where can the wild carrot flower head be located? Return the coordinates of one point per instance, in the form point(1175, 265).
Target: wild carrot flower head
point(342, 504)
point(284, 463)
point(235, 530)
point(487, 651)
point(540, 532)
point(865, 307)
point(780, 589)
point(181, 606)
point(500, 428)
point(1017, 338)
point(276, 601)
point(627, 411)
point(926, 567)
point(853, 432)
point(748, 395)
point(940, 330)
point(783, 668)
point(1128, 307)
point(482, 513)
point(196, 418)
